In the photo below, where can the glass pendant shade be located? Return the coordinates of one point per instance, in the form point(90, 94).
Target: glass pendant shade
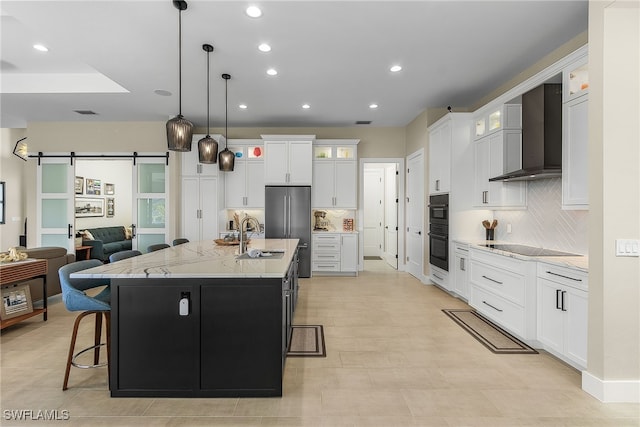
point(226, 160)
point(208, 150)
point(179, 133)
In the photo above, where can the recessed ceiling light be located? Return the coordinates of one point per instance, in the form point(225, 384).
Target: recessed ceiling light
point(306, 106)
point(373, 106)
point(40, 47)
point(272, 71)
point(264, 47)
point(254, 11)
point(243, 106)
point(162, 92)
point(395, 68)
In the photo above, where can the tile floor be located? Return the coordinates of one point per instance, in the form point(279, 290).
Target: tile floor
point(393, 359)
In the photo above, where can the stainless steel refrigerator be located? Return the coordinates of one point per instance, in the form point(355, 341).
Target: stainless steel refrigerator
point(287, 215)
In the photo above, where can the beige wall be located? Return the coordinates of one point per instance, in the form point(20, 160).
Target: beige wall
point(614, 189)
point(12, 173)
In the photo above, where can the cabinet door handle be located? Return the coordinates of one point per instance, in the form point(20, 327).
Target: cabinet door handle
point(558, 299)
point(495, 308)
point(462, 267)
point(564, 277)
point(493, 280)
point(562, 301)
point(437, 185)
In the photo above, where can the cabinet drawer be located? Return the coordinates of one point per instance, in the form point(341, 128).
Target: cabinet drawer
point(503, 312)
point(502, 261)
point(326, 246)
point(325, 266)
point(323, 257)
point(504, 283)
point(326, 238)
point(563, 275)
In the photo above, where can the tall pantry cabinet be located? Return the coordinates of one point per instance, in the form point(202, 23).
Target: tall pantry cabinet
point(201, 192)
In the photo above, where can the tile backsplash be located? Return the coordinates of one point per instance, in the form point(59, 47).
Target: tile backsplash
point(544, 223)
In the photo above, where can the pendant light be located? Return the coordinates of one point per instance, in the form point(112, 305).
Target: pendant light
point(179, 129)
point(207, 146)
point(227, 157)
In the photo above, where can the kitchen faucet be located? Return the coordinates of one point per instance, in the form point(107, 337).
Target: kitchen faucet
point(243, 235)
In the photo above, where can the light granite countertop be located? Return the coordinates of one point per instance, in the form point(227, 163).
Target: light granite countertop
point(202, 259)
point(580, 262)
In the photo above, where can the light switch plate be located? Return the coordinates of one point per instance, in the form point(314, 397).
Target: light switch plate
point(627, 247)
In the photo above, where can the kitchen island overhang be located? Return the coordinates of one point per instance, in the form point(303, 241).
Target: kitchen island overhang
point(195, 321)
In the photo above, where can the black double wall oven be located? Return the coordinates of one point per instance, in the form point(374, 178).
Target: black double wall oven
point(439, 231)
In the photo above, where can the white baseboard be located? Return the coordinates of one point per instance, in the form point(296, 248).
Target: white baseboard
point(619, 391)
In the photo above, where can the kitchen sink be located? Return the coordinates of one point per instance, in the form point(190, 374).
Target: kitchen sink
point(265, 255)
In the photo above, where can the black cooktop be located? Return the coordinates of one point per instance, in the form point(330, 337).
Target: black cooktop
point(527, 250)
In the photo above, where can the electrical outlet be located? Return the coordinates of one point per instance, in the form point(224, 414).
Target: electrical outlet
point(628, 247)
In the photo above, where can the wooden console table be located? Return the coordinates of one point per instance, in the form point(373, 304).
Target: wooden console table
point(21, 271)
point(86, 250)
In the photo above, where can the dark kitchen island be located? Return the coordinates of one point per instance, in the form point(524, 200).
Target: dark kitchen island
point(194, 321)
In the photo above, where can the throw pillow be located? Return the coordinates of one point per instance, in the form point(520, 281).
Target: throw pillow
point(128, 233)
point(86, 235)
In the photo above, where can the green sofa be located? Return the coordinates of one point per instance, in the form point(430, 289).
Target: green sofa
point(106, 241)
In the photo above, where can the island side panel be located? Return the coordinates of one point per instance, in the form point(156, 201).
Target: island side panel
point(228, 345)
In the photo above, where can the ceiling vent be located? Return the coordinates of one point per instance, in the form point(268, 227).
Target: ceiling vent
point(363, 122)
point(86, 112)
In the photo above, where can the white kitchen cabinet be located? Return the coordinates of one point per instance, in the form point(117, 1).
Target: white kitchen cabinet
point(335, 174)
point(440, 140)
point(461, 269)
point(190, 161)
point(244, 187)
point(503, 289)
point(575, 156)
point(496, 154)
point(334, 253)
point(505, 116)
point(334, 184)
point(199, 208)
point(288, 162)
point(563, 313)
point(440, 277)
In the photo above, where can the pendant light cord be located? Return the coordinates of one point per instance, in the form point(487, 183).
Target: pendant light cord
point(180, 62)
point(208, 129)
point(226, 111)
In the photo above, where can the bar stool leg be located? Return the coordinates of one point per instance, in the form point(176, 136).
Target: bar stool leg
point(107, 316)
point(72, 346)
point(96, 338)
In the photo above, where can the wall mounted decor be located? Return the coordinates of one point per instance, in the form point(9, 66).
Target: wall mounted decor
point(94, 187)
point(109, 189)
point(79, 185)
point(111, 207)
point(87, 206)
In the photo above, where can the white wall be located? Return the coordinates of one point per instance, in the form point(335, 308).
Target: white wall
point(117, 172)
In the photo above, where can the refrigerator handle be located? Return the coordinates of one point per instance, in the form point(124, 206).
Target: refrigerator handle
point(289, 218)
point(284, 216)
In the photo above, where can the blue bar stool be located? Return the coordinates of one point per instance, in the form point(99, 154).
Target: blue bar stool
point(157, 247)
point(75, 299)
point(117, 256)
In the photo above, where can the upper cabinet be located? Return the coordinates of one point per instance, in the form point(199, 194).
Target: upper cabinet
point(335, 174)
point(440, 135)
point(191, 165)
point(506, 116)
point(244, 187)
point(496, 154)
point(288, 159)
point(575, 79)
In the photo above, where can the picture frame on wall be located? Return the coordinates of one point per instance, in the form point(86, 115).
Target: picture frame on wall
point(79, 185)
point(16, 301)
point(94, 187)
point(89, 206)
point(111, 202)
point(109, 189)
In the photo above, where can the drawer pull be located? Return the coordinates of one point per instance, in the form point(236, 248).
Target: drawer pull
point(325, 246)
point(437, 277)
point(563, 276)
point(324, 256)
point(496, 309)
point(493, 280)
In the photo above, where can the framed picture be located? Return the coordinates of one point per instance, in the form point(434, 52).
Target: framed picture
point(109, 189)
point(94, 187)
point(87, 206)
point(16, 301)
point(110, 207)
point(79, 185)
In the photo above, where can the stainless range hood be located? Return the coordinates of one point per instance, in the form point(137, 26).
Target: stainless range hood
point(541, 135)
